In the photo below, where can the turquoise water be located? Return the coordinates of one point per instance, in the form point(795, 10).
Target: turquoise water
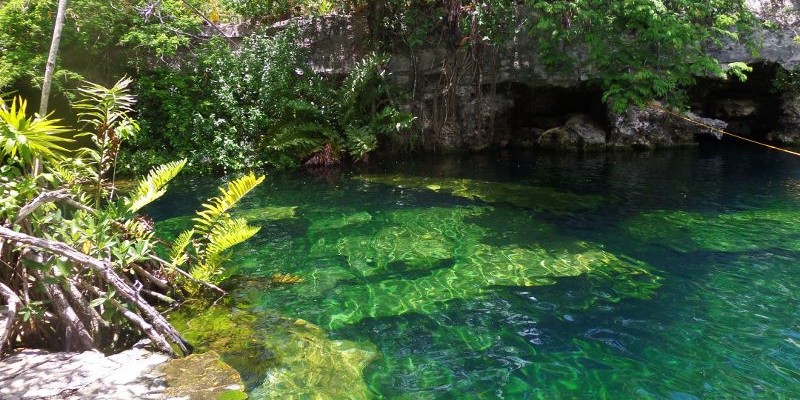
point(666, 275)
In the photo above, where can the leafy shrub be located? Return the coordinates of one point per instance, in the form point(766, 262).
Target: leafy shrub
point(261, 105)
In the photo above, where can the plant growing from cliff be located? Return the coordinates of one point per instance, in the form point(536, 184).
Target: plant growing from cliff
point(639, 50)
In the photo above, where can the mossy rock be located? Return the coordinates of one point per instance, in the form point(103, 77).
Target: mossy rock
point(202, 376)
point(282, 358)
point(314, 367)
point(730, 232)
point(527, 196)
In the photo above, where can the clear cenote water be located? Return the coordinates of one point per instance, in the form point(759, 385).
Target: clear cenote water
point(665, 275)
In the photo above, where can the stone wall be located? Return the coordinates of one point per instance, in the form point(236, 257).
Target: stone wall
point(506, 97)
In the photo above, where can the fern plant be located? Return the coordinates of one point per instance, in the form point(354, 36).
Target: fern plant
point(153, 185)
point(214, 232)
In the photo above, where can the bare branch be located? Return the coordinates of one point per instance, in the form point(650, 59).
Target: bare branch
point(190, 277)
point(106, 272)
point(46, 197)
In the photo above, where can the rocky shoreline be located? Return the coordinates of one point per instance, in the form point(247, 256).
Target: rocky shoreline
point(132, 374)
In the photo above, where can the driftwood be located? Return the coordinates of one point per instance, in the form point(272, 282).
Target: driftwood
point(105, 272)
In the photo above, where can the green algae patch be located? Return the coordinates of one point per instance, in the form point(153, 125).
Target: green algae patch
point(315, 367)
point(202, 376)
point(730, 232)
point(266, 213)
point(480, 268)
point(339, 221)
point(408, 239)
point(416, 260)
point(526, 196)
point(281, 358)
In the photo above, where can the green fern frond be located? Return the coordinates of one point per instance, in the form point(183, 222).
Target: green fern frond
point(177, 253)
point(228, 234)
point(215, 210)
point(206, 271)
point(154, 185)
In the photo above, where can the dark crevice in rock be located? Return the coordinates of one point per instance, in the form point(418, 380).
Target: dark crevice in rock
point(751, 108)
point(542, 116)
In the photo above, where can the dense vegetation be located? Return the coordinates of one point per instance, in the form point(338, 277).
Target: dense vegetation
point(75, 252)
point(224, 108)
point(79, 264)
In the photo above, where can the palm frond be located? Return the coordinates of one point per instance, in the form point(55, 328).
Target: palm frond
point(153, 185)
point(29, 137)
point(106, 106)
point(215, 210)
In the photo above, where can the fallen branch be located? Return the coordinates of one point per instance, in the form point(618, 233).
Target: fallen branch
point(47, 197)
point(148, 330)
point(106, 272)
point(190, 277)
point(75, 329)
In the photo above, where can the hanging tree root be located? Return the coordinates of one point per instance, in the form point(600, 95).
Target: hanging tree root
point(105, 272)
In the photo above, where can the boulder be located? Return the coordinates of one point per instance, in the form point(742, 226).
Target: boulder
point(580, 132)
point(202, 376)
point(651, 127)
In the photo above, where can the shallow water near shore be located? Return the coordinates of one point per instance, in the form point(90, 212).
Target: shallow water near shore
point(672, 274)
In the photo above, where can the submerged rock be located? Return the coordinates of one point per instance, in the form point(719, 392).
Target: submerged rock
point(731, 232)
point(312, 366)
point(417, 260)
point(202, 376)
point(527, 196)
point(280, 358)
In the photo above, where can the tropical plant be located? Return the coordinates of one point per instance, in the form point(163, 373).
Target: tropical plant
point(80, 268)
point(25, 137)
point(639, 50)
point(215, 231)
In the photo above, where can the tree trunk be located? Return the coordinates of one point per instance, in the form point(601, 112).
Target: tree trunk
point(13, 302)
point(51, 57)
point(50, 68)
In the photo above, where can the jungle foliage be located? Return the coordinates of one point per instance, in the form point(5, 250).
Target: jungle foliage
point(79, 266)
point(227, 109)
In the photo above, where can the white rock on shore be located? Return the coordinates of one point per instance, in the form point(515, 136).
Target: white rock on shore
point(38, 374)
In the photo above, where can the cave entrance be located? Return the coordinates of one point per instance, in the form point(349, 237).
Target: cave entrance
point(751, 108)
point(536, 109)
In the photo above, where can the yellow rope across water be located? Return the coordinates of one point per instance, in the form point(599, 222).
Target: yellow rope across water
point(683, 117)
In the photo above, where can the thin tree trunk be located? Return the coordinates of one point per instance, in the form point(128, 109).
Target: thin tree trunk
point(51, 57)
point(50, 68)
